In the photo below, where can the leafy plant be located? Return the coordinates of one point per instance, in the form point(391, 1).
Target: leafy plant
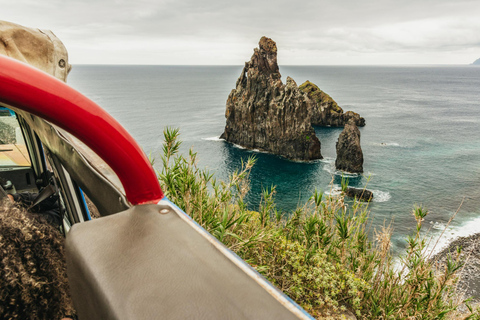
point(344, 184)
point(320, 255)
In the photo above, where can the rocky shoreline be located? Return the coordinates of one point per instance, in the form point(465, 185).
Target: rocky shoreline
point(469, 280)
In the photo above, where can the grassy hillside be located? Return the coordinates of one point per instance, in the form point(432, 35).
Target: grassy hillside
point(321, 255)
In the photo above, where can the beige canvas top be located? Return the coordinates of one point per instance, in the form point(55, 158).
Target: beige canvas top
point(39, 48)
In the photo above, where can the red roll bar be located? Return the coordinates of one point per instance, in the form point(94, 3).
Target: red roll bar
point(38, 93)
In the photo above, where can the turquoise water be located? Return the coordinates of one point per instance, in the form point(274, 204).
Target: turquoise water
point(421, 143)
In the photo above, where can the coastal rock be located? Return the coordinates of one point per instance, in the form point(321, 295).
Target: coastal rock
point(263, 113)
point(324, 111)
point(360, 194)
point(476, 62)
point(349, 151)
point(469, 282)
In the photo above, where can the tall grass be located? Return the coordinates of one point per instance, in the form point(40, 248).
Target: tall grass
point(320, 255)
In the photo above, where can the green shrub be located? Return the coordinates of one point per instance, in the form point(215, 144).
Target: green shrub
point(320, 255)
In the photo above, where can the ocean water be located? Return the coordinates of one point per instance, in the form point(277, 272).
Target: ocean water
point(421, 142)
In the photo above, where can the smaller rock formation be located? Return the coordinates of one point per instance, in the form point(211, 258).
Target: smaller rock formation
point(360, 194)
point(476, 62)
point(349, 151)
point(263, 113)
point(324, 111)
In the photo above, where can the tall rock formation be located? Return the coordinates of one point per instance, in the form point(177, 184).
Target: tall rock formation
point(263, 113)
point(324, 111)
point(349, 151)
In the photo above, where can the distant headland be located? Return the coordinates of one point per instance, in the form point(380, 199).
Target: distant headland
point(476, 62)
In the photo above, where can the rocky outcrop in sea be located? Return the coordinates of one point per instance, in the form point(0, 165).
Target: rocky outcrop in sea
point(349, 151)
point(324, 111)
point(359, 194)
point(263, 113)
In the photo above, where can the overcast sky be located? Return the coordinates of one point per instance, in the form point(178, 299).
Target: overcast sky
point(212, 32)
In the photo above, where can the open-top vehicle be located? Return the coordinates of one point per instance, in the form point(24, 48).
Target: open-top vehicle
point(143, 258)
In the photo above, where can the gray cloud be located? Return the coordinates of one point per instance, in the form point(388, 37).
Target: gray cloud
point(212, 31)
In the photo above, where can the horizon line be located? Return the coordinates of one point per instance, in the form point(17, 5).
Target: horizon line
point(285, 65)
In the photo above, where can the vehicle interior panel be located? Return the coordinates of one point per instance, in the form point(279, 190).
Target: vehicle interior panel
point(22, 179)
point(105, 196)
point(182, 275)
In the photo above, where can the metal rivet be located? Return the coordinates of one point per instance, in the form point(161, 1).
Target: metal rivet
point(164, 211)
point(61, 63)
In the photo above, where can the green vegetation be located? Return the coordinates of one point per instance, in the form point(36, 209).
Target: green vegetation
point(344, 184)
point(320, 255)
point(320, 96)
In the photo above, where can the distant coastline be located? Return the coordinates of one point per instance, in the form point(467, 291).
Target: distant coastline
point(476, 62)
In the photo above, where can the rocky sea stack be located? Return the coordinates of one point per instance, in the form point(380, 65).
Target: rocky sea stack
point(359, 194)
point(349, 151)
point(324, 111)
point(263, 113)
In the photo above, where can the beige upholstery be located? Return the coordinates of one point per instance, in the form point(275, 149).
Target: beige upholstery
point(151, 262)
point(39, 48)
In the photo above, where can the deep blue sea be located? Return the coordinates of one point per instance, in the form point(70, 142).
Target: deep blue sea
point(421, 142)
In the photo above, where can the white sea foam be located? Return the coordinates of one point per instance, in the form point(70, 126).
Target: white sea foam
point(213, 139)
point(335, 191)
point(330, 168)
point(452, 233)
point(346, 174)
point(378, 195)
point(251, 150)
point(328, 160)
point(301, 161)
point(390, 144)
point(238, 146)
point(381, 196)
point(437, 225)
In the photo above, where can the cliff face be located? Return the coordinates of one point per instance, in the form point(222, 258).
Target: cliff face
point(263, 113)
point(324, 111)
point(349, 151)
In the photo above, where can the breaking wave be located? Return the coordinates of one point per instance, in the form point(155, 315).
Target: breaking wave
point(389, 144)
point(213, 139)
point(381, 196)
point(452, 233)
